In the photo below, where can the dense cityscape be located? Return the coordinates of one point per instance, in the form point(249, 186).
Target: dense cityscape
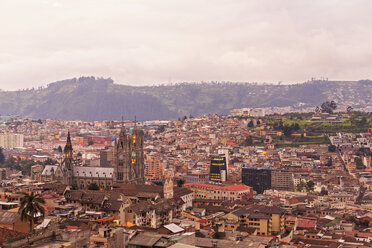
point(245, 180)
point(185, 124)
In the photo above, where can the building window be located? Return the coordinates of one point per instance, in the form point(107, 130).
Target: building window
point(120, 176)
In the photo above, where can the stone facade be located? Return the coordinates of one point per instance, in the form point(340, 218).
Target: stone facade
point(129, 158)
point(128, 165)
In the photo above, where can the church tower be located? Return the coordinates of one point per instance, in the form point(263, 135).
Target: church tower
point(129, 158)
point(168, 188)
point(66, 167)
point(68, 161)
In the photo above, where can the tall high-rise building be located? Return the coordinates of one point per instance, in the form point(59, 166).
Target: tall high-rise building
point(218, 169)
point(225, 153)
point(257, 177)
point(282, 180)
point(153, 168)
point(264, 178)
point(129, 158)
point(11, 140)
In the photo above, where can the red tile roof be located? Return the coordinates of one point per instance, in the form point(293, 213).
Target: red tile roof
point(235, 187)
point(306, 223)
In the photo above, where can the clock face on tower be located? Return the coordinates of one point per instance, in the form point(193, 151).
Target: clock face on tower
point(121, 156)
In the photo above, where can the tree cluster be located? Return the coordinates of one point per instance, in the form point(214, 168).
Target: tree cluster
point(19, 164)
point(359, 164)
point(332, 148)
point(286, 129)
point(328, 107)
point(309, 186)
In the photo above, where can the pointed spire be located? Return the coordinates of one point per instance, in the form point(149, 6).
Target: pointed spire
point(68, 146)
point(68, 138)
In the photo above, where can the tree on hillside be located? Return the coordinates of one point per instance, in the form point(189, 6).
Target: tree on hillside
point(310, 186)
point(31, 207)
point(317, 109)
point(328, 107)
point(349, 109)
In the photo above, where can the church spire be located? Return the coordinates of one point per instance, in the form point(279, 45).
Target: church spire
point(68, 146)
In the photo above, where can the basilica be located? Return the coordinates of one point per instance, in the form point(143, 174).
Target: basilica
point(128, 165)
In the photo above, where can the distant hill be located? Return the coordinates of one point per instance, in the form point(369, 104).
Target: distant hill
point(90, 98)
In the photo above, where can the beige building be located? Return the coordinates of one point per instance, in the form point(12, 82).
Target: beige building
point(220, 192)
point(153, 168)
point(282, 180)
point(266, 220)
point(11, 140)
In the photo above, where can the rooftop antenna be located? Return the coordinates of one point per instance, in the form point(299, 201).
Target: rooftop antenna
point(135, 121)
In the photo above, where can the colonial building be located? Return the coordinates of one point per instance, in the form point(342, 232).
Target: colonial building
point(220, 192)
point(128, 157)
point(128, 165)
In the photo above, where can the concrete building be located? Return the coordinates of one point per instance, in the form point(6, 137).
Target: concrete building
point(218, 169)
point(282, 180)
point(11, 140)
point(266, 220)
point(153, 168)
point(257, 177)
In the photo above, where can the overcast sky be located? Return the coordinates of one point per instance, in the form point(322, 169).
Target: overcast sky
point(149, 42)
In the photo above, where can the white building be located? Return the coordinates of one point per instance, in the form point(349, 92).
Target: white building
point(11, 140)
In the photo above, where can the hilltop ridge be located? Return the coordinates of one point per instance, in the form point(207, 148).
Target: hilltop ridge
point(91, 98)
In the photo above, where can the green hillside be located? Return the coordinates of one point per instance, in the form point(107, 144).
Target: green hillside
point(89, 98)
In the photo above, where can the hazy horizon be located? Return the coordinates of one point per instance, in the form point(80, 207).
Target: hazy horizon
point(190, 82)
point(145, 42)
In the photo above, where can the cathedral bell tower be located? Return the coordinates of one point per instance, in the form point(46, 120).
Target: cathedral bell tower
point(68, 162)
point(128, 157)
point(68, 152)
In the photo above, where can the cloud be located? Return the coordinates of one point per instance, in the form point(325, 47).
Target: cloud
point(141, 42)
